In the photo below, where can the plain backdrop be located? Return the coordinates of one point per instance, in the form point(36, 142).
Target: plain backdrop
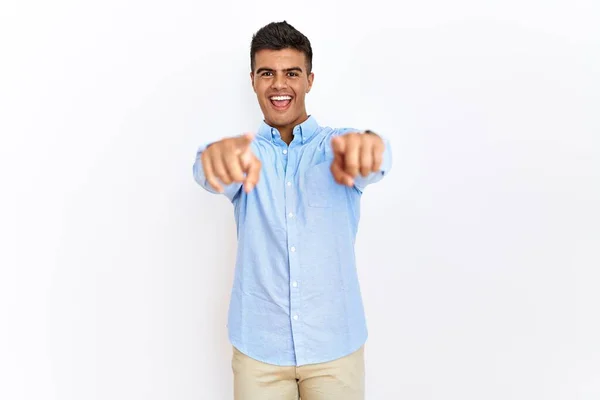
point(478, 255)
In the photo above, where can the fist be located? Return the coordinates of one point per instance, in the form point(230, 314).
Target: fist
point(355, 153)
point(231, 160)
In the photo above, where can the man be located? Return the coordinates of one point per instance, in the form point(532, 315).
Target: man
point(296, 318)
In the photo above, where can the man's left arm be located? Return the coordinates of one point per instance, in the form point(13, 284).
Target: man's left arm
point(360, 158)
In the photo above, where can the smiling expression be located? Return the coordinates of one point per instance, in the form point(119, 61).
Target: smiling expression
point(281, 81)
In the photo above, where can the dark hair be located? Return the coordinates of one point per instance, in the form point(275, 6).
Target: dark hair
point(278, 36)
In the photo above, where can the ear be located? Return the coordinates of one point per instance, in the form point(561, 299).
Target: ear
point(252, 80)
point(311, 78)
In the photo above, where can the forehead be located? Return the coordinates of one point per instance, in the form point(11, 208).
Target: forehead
point(279, 59)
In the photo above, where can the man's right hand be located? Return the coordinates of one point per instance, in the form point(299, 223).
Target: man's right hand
point(231, 160)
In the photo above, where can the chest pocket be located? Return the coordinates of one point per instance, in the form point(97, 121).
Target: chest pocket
point(321, 189)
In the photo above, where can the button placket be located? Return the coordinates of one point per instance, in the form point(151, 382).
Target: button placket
point(291, 196)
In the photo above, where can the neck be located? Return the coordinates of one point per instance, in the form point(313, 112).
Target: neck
point(286, 134)
point(287, 131)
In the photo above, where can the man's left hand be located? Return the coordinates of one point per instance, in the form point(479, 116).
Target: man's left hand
point(355, 153)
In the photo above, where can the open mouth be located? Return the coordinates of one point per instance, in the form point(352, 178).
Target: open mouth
point(281, 102)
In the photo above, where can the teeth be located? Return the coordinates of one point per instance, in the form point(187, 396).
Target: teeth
point(281, 98)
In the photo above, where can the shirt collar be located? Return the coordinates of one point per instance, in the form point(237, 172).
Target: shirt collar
point(306, 130)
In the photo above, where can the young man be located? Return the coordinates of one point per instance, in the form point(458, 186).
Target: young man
point(296, 318)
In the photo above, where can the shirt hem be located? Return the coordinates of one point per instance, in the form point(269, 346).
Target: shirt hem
point(242, 349)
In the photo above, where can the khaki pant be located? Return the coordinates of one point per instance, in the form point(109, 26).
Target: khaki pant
point(343, 378)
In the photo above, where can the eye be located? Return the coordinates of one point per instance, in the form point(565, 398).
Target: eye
point(267, 73)
point(294, 74)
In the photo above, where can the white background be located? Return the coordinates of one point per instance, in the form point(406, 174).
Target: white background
point(479, 255)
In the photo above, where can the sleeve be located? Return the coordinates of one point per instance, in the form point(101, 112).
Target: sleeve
point(230, 190)
point(361, 182)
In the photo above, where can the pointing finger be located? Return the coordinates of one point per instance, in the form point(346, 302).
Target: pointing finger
point(252, 175)
point(339, 174)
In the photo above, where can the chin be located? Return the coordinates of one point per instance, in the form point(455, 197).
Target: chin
point(280, 120)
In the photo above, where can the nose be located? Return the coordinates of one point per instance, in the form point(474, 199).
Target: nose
point(279, 81)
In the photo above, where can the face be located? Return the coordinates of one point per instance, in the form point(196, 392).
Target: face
point(280, 81)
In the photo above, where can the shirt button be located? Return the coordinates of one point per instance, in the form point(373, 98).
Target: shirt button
point(295, 284)
point(293, 249)
point(284, 151)
point(289, 183)
point(296, 317)
point(290, 215)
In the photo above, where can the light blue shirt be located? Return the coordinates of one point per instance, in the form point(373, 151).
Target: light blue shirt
point(296, 298)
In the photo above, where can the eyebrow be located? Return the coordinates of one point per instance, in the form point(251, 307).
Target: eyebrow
point(297, 69)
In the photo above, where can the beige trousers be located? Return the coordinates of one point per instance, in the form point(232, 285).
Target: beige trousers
point(343, 378)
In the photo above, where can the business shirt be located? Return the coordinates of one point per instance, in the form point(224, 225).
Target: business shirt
point(295, 298)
